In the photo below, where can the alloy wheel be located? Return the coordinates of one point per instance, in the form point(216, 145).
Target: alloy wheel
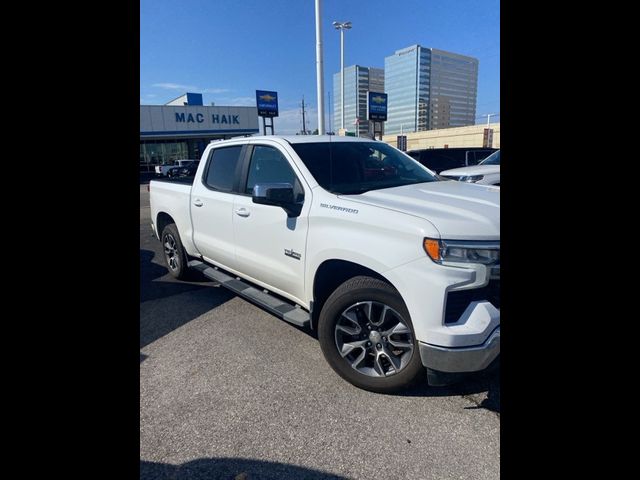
point(374, 339)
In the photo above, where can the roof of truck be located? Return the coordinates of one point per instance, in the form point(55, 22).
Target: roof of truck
point(306, 138)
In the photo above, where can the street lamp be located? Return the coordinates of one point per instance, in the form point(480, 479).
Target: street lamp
point(342, 26)
point(319, 69)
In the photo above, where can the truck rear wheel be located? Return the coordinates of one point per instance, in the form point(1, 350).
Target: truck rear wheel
point(366, 336)
point(174, 255)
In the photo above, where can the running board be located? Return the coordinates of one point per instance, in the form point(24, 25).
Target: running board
point(275, 305)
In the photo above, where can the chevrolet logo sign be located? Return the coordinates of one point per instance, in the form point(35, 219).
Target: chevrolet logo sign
point(267, 98)
point(378, 99)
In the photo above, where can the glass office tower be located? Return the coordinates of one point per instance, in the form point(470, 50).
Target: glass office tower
point(429, 89)
point(357, 81)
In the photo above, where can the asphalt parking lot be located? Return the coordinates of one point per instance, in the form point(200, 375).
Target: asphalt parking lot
point(230, 391)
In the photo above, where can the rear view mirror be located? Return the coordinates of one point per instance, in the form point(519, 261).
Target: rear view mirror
point(278, 195)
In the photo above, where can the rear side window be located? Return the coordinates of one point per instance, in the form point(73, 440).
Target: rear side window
point(222, 168)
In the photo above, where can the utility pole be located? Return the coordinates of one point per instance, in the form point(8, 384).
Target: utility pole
point(304, 123)
point(330, 116)
point(319, 70)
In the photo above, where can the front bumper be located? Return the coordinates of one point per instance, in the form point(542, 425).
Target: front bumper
point(461, 359)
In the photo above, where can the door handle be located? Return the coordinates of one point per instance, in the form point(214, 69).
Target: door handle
point(197, 202)
point(243, 212)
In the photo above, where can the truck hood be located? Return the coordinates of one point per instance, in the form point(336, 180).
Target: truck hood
point(457, 210)
point(473, 170)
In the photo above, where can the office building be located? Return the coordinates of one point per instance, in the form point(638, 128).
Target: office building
point(357, 82)
point(429, 89)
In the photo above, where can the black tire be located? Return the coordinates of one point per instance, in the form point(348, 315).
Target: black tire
point(367, 289)
point(175, 257)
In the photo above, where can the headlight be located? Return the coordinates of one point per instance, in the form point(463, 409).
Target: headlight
point(471, 178)
point(487, 253)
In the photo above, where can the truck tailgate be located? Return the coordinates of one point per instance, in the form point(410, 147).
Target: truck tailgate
point(172, 199)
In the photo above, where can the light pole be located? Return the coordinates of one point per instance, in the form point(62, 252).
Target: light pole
point(319, 70)
point(330, 116)
point(342, 26)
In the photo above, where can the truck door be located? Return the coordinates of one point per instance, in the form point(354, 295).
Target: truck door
point(270, 247)
point(212, 198)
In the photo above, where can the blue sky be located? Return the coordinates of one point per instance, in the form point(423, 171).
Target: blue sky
point(227, 49)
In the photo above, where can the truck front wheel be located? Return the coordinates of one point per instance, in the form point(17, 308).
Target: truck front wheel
point(174, 254)
point(366, 336)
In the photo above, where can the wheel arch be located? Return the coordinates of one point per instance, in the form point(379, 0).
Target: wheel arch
point(162, 220)
point(332, 273)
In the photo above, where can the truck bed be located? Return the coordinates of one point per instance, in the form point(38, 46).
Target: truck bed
point(182, 180)
point(174, 198)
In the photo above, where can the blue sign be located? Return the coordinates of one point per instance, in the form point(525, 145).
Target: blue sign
point(267, 103)
point(377, 107)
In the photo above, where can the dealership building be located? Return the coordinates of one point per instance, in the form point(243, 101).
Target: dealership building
point(182, 128)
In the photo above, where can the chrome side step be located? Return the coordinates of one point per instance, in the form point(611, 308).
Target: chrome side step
point(275, 305)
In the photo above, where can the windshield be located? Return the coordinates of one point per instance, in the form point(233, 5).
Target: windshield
point(493, 159)
point(350, 168)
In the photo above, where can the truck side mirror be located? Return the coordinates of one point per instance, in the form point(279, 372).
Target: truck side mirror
point(278, 195)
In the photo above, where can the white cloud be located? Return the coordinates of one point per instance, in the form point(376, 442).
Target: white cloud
point(236, 101)
point(174, 86)
point(290, 121)
point(191, 88)
point(214, 90)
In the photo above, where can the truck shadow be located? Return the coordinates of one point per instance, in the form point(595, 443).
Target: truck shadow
point(230, 469)
point(473, 384)
point(156, 283)
point(160, 313)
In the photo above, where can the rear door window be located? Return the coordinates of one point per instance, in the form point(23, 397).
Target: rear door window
point(221, 171)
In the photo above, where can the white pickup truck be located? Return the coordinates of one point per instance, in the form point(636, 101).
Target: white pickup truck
point(163, 170)
point(394, 269)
